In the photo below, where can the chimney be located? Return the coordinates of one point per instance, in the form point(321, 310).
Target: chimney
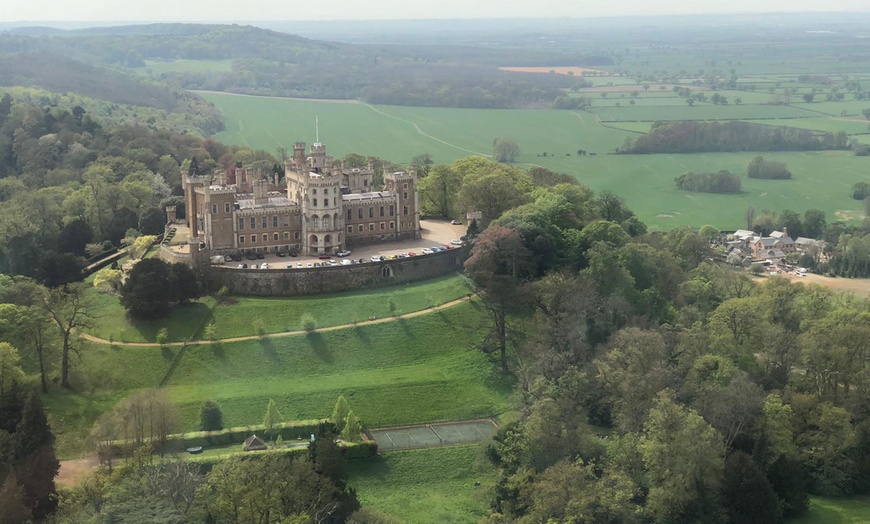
point(784, 232)
point(170, 214)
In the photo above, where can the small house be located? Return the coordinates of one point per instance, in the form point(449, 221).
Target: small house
point(254, 443)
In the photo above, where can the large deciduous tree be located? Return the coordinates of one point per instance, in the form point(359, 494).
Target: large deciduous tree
point(499, 264)
point(68, 307)
point(505, 150)
point(153, 285)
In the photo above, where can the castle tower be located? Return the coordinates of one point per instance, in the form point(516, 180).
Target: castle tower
point(323, 221)
point(404, 187)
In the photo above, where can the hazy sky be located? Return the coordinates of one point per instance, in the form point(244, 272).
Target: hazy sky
point(211, 10)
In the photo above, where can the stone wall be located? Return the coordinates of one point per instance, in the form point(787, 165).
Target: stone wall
point(290, 282)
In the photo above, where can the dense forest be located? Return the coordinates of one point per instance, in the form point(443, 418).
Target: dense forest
point(270, 63)
point(734, 136)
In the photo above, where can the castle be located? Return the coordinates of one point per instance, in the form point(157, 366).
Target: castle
point(321, 209)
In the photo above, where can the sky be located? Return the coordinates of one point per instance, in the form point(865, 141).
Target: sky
point(249, 10)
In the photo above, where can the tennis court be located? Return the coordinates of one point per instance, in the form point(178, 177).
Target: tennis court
point(432, 435)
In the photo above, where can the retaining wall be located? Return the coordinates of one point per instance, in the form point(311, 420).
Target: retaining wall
point(309, 281)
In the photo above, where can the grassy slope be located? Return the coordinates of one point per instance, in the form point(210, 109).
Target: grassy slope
point(851, 510)
point(427, 485)
point(413, 370)
point(242, 316)
point(821, 179)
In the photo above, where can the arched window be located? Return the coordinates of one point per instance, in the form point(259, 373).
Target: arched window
point(313, 240)
point(387, 272)
point(327, 239)
point(315, 221)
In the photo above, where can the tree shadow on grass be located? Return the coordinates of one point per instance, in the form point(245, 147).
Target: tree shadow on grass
point(320, 347)
point(373, 468)
point(406, 327)
point(177, 316)
point(217, 349)
point(268, 348)
point(362, 333)
point(167, 353)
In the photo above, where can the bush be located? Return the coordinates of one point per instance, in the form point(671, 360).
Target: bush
point(308, 322)
point(767, 169)
point(721, 182)
point(860, 190)
point(211, 417)
point(359, 450)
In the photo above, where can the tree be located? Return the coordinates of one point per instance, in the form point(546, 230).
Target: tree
point(351, 427)
point(439, 191)
point(69, 307)
point(505, 150)
point(684, 459)
point(809, 97)
point(140, 246)
point(866, 113)
point(153, 285)
point(498, 264)
point(424, 162)
point(211, 417)
point(814, 223)
point(747, 492)
point(709, 233)
point(272, 418)
point(13, 510)
point(58, 269)
point(339, 413)
point(491, 188)
point(36, 463)
point(10, 366)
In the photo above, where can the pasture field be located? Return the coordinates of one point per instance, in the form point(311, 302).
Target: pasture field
point(426, 485)
point(699, 111)
point(852, 510)
point(245, 316)
point(408, 371)
point(821, 179)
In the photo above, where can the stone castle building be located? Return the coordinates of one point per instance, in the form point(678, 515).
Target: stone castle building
point(320, 208)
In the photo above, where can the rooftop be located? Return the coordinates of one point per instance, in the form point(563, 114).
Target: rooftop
point(272, 202)
point(355, 197)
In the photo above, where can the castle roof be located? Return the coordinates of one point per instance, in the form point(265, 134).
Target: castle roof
point(357, 197)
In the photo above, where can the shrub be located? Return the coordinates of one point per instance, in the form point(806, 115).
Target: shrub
point(860, 190)
point(721, 182)
point(308, 322)
point(767, 169)
point(211, 417)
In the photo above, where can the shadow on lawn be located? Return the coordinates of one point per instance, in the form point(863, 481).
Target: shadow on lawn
point(320, 347)
point(179, 320)
point(269, 348)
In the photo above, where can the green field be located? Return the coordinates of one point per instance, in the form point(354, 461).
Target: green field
point(407, 371)
point(245, 316)
point(853, 510)
point(426, 485)
point(821, 179)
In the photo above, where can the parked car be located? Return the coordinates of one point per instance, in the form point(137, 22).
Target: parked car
point(236, 257)
point(362, 261)
point(411, 254)
point(260, 256)
point(317, 264)
point(426, 251)
point(250, 256)
point(290, 266)
point(402, 255)
point(456, 242)
point(332, 263)
point(376, 258)
point(325, 257)
point(455, 223)
point(281, 254)
point(392, 257)
point(243, 266)
point(309, 265)
point(253, 266)
point(343, 253)
point(445, 247)
point(382, 258)
point(294, 254)
point(298, 264)
point(464, 238)
point(264, 265)
point(435, 249)
point(228, 258)
point(346, 262)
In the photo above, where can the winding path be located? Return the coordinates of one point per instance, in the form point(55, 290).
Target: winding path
point(412, 314)
point(425, 134)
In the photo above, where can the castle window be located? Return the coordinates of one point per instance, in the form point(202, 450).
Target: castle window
point(286, 220)
point(326, 222)
point(253, 239)
point(382, 210)
point(296, 235)
point(405, 195)
point(265, 222)
point(350, 214)
point(214, 209)
point(350, 229)
point(314, 202)
point(275, 237)
point(383, 226)
point(241, 224)
point(371, 212)
point(253, 222)
point(286, 235)
point(392, 225)
point(241, 239)
point(360, 228)
point(392, 210)
point(326, 191)
point(313, 191)
point(405, 186)
point(360, 213)
point(335, 201)
point(265, 238)
point(275, 221)
point(405, 210)
point(365, 181)
point(315, 221)
point(227, 207)
point(371, 227)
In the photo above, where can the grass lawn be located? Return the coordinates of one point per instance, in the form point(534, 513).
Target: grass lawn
point(240, 316)
point(852, 510)
point(821, 179)
point(425, 485)
point(409, 371)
